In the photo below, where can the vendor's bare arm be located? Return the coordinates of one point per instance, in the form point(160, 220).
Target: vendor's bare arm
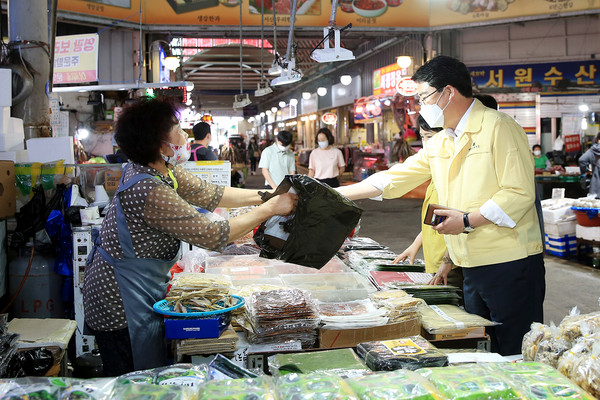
point(280, 205)
point(361, 190)
point(236, 197)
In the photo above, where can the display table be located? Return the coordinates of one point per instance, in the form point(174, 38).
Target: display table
point(53, 334)
point(545, 184)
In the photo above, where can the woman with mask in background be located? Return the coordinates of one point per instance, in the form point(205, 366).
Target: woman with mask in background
point(541, 161)
point(150, 213)
point(325, 161)
point(277, 160)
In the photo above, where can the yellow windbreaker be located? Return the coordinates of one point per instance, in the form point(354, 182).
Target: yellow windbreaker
point(490, 161)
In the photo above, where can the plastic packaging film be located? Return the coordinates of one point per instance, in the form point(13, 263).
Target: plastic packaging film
point(341, 362)
point(446, 318)
point(409, 353)
point(315, 386)
point(394, 385)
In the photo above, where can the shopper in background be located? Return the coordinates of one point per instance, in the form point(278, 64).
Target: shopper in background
point(482, 166)
point(401, 150)
point(151, 212)
point(277, 160)
point(588, 165)
point(325, 161)
point(434, 246)
point(253, 154)
point(201, 150)
point(540, 160)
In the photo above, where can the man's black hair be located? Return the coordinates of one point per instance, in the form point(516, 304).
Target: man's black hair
point(201, 129)
point(285, 137)
point(441, 71)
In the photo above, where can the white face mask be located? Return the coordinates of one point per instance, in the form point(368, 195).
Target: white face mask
point(433, 114)
point(282, 148)
point(537, 153)
point(180, 154)
point(324, 144)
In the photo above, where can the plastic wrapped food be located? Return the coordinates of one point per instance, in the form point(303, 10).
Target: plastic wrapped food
point(283, 314)
point(126, 391)
point(235, 261)
point(398, 305)
point(178, 374)
point(57, 388)
point(571, 324)
point(351, 314)
point(394, 385)
point(316, 386)
point(586, 372)
point(551, 347)
point(581, 348)
point(408, 353)
point(532, 339)
point(446, 318)
point(362, 243)
point(193, 292)
point(538, 381)
point(342, 362)
point(238, 389)
point(470, 382)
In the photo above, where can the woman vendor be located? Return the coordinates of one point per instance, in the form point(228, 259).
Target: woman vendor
point(151, 212)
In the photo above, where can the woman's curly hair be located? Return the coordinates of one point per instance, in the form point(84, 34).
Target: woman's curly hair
point(143, 126)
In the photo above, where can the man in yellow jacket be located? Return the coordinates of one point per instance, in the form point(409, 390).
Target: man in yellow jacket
point(482, 166)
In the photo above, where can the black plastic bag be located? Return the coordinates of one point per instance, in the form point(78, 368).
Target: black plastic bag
point(322, 221)
point(34, 362)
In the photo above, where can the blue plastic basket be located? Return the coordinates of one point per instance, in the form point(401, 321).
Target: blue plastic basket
point(162, 307)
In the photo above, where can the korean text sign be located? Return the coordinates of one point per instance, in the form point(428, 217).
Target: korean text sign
point(76, 59)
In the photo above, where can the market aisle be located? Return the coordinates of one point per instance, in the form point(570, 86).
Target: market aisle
point(395, 223)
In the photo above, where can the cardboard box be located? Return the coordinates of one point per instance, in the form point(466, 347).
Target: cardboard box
point(189, 328)
point(337, 338)
point(8, 189)
point(111, 180)
point(466, 333)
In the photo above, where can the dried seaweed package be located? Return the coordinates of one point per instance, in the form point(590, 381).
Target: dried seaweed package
point(408, 353)
point(470, 382)
point(323, 220)
point(342, 362)
point(394, 385)
point(314, 386)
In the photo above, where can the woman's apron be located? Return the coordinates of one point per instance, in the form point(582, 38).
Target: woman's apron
point(142, 282)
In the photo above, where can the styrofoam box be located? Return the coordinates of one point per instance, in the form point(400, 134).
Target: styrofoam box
point(588, 232)
point(560, 228)
point(16, 126)
point(4, 119)
point(51, 149)
point(555, 216)
point(561, 242)
point(5, 87)
point(11, 142)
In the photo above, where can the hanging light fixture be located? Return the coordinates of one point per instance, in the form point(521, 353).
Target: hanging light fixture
point(404, 61)
point(290, 74)
point(345, 80)
point(275, 69)
point(241, 100)
point(337, 53)
point(306, 95)
point(273, 109)
point(322, 91)
point(293, 102)
point(262, 88)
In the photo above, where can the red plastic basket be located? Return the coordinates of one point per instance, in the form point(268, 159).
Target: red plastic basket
point(584, 218)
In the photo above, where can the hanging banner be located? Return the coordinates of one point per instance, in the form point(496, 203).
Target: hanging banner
point(460, 12)
point(76, 59)
point(538, 77)
point(386, 79)
point(361, 13)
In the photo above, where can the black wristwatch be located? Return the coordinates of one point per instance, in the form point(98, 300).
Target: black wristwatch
point(468, 227)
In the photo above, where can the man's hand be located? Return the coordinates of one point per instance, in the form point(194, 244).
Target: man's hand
point(283, 204)
point(441, 276)
point(453, 223)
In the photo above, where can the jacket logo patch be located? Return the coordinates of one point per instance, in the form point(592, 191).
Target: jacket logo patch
point(473, 146)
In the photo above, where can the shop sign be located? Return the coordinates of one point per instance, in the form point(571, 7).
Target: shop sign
point(406, 87)
point(538, 77)
point(76, 59)
point(386, 79)
point(572, 143)
point(329, 118)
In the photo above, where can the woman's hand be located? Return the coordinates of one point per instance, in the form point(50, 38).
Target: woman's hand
point(283, 204)
point(441, 276)
point(410, 253)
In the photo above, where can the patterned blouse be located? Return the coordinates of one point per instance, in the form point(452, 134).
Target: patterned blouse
point(158, 218)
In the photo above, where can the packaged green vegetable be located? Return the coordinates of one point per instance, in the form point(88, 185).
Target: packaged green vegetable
point(319, 385)
point(394, 385)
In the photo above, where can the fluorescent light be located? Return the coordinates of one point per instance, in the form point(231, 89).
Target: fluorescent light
point(322, 91)
point(120, 86)
point(268, 112)
point(404, 61)
point(281, 104)
point(273, 110)
point(287, 77)
point(584, 108)
point(262, 89)
point(293, 102)
point(171, 63)
point(262, 114)
point(306, 95)
point(275, 69)
point(345, 80)
point(82, 133)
